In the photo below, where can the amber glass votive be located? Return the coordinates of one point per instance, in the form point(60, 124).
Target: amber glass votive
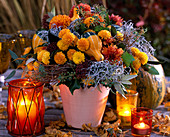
point(25, 107)
point(124, 106)
point(141, 124)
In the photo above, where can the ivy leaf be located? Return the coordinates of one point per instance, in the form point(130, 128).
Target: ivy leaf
point(118, 28)
point(107, 19)
point(121, 45)
point(127, 58)
point(24, 56)
point(150, 69)
point(83, 27)
point(113, 31)
point(11, 74)
point(29, 60)
point(14, 56)
point(99, 28)
point(75, 84)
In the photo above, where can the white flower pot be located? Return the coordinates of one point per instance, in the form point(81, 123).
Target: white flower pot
point(84, 106)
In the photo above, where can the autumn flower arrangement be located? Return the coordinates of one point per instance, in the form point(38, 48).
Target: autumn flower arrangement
point(87, 48)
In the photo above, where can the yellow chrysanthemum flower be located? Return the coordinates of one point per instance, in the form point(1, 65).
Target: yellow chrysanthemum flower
point(62, 46)
point(46, 57)
point(75, 41)
point(27, 50)
point(136, 63)
point(60, 20)
point(70, 53)
point(83, 44)
point(88, 21)
point(63, 32)
point(78, 57)
point(135, 51)
point(30, 66)
point(119, 36)
point(36, 66)
point(60, 58)
point(68, 38)
point(104, 34)
point(40, 55)
point(143, 57)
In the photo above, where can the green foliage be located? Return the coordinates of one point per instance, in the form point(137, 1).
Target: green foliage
point(15, 57)
point(127, 58)
point(71, 84)
point(99, 28)
point(11, 75)
point(113, 31)
point(150, 69)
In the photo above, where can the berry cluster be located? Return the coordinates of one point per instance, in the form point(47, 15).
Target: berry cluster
point(45, 24)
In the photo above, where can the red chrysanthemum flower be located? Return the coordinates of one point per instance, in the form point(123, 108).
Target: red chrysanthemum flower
point(85, 7)
point(112, 52)
point(117, 19)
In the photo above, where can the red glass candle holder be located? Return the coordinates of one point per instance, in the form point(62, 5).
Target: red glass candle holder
point(141, 122)
point(25, 107)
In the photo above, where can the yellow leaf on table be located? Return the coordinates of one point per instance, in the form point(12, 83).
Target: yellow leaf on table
point(167, 104)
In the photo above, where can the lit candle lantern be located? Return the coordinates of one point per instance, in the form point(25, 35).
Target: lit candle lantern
point(25, 107)
point(124, 106)
point(141, 121)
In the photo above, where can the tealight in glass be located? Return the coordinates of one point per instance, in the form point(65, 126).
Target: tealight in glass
point(141, 122)
point(124, 106)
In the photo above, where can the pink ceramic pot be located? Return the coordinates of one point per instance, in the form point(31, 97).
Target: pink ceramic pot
point(84, 106)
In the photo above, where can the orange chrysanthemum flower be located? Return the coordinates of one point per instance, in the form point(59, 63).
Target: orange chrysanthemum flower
point(83, 44)
point(88, 21)
point(40, 55)
point(78, 57)
point(60, 58)
point(119, 36)
point(30, 66)
point(36, 66)
point(62, 46)
point(46, 58)
point(136, 63)
point(70, 53)
point(60, 20)
point(143, 57)
point(68, 38)
point(104, 34)
point(135, 51)
point(75, 41)
point(62, 32)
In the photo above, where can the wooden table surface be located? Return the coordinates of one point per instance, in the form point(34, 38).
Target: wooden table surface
point(54, 114)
